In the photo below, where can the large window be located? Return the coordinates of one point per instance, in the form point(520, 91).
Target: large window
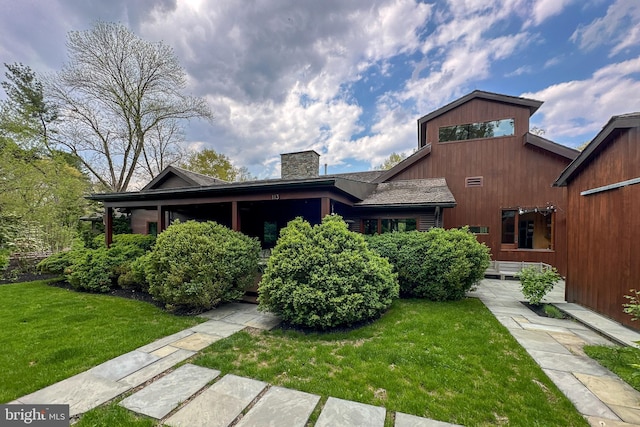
point(378, 226)
point(527, 228)
point(505, 127)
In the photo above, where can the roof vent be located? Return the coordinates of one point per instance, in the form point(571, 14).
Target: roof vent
point(473, 181)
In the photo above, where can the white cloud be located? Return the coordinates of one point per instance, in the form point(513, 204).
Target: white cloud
point(545, 9)
point(619, 28)
point(580, 108)
point(284, 85)
point(463, 53)
point(525, 69)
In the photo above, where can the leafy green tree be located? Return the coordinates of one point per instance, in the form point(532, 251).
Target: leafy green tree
point(393, 159)
point(209, 162)
point(26, 117)
point(120, 96)
point(41, 188)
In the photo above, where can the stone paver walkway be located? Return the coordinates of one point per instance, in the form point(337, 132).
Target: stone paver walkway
point(556, 345)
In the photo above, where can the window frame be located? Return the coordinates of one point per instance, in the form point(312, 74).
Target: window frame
point(515, 245)
point(475, 138)
point(367, 229)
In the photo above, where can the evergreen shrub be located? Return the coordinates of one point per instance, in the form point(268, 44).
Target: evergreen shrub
point(198, 265)
point(325, 276)
point(438, 265)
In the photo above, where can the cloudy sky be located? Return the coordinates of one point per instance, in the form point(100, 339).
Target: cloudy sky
point(349, 79)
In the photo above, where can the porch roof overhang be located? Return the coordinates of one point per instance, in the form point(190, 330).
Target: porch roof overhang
point(352, 190)
point(410, 194)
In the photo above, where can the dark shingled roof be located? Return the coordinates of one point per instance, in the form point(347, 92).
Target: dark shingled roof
point(194, 179)
point(368, 176)
point(199, 178)
point(422, 192)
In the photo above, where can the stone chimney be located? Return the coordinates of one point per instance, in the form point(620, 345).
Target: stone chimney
point(303, 164)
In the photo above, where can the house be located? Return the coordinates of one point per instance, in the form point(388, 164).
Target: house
point(500, 174)
point(261, 208)
point(476, 164)
point(603, 185)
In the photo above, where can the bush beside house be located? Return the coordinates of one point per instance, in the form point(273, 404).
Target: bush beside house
point(198, 265)
point(98, 270)
point(325, 276)
point(438, 265)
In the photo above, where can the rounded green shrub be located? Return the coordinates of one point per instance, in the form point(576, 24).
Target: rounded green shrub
point(59, 262)
point(536, 282)
point(438, 265)
point(99, 269)
point(325, 276)
point(198, 265)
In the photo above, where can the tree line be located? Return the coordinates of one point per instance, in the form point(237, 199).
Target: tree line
point(113, 116)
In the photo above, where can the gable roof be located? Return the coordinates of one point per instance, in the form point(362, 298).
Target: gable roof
point(597, 144)
point(193, 179)
point(532, 104)
point(410, 193)
point(547, 144)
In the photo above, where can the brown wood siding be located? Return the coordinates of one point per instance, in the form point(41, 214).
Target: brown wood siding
point(514, 175)
point(604, 230)
point(140, 218)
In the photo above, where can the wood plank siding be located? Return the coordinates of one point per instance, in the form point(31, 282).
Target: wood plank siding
point(512, 175)
point(604, 229)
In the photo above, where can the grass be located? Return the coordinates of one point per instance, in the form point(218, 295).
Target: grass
point(49, 334)
point(448, 361)
point(113, 415)
point(553, 311)
point(620, 360)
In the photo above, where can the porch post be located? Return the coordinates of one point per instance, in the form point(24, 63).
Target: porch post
point(108, 225)
point(162, 223)
point(235, 216)
point(325, 207)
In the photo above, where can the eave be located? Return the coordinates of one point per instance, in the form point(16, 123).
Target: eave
point(406, 163)
point(548, 145)
point(354, 189)
point(597, 144)
point(532, 104)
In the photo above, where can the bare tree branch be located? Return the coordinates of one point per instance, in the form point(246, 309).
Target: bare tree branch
point(121, 101)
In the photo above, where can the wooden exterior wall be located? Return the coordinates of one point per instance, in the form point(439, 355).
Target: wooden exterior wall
point(604, 230)
point(514, 175)
point(140, 218)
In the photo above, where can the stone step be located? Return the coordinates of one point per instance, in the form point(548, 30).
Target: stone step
point(280, 407)
point(163, 396)
point(156, 368)
point(406, 420)
point(123, 365)
point(220, 404)
point(345, 413)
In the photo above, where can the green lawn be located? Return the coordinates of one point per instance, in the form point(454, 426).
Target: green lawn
point(448, 361)
point(48, 334)
point(623, 361)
